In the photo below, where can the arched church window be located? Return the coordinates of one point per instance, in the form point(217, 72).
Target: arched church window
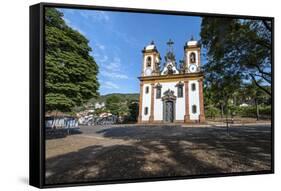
point(193, 87)
point(158, 91)
point(147, 89)
point(148, 61)
point(192, 57)
point(194, 109)
point(145, 110)
point(180, 89)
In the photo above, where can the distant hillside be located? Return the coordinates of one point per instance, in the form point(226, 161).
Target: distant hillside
point(122, 96)
point(129, 97)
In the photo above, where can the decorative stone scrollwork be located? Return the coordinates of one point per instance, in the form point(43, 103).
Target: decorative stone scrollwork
point(169, 95)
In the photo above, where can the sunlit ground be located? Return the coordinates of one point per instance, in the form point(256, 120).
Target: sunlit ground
point(112, 153)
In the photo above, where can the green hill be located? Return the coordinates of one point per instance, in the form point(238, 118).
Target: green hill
point(128, 97)
point(125, 97)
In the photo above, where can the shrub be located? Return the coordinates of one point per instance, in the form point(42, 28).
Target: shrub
point(211, 111)
point(250, 111)
point(266, 111)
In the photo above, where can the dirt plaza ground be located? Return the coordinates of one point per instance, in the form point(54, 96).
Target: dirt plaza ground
point(130, 152)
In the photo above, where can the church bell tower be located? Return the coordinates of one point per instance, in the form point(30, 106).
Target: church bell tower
point(192, 56)
point(151, 60)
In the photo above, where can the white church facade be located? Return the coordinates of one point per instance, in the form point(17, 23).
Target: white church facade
point(171, 94)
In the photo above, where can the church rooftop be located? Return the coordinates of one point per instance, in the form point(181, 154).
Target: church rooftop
point(150, 47)
point(192, 43)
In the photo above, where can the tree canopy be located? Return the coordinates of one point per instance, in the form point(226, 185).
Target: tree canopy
point(70, 71)
point(237, 49)
point(238, 67)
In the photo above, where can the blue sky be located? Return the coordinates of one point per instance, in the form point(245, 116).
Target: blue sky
point(117, 39)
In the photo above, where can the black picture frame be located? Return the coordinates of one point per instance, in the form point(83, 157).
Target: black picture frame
point(37, 103)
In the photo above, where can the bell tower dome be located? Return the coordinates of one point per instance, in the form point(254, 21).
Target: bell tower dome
point(151, 60)
point(192, 56)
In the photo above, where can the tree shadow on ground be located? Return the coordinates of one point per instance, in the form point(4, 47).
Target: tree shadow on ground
point(244, 148)
point(95, 163)
point(164, 152)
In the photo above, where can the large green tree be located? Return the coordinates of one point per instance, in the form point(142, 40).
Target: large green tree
point(71, 73)
point(133, 108)
point(238, 47)
point(220, 90)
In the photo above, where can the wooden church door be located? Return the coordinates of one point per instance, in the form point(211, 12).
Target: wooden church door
point(169, 111)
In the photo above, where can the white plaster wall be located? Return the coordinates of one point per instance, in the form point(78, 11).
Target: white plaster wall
point(194, 99)
point(180, 102)
point(146, 99)
point(158, 106)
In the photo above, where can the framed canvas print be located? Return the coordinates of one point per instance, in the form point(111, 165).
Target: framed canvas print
point(122, 95)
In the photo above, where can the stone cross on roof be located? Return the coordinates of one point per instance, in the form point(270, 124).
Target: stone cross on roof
point(192, 38)
point(170, 44)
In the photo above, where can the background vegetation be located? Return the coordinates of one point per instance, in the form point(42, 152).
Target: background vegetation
point(238, 68)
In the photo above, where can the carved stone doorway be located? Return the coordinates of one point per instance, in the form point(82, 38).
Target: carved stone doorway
point(169, 104)
point(169, 112)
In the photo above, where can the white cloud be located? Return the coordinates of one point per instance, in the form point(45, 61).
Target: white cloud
point(112, 69)
point(116, 59)
point(127, 38)
point(100, 46)
point(110, 85)
point(95, 54)
point(98, 53)
point(74, 27)
point(120, 76)
point(69, 23)
point(113, 75)
point(113, 66)
point(103, 59)
point(95, 16)
point(104, 15)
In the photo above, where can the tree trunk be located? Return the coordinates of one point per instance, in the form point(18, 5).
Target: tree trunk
point(257, 109)
point(222, 110)
point(226, 111)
